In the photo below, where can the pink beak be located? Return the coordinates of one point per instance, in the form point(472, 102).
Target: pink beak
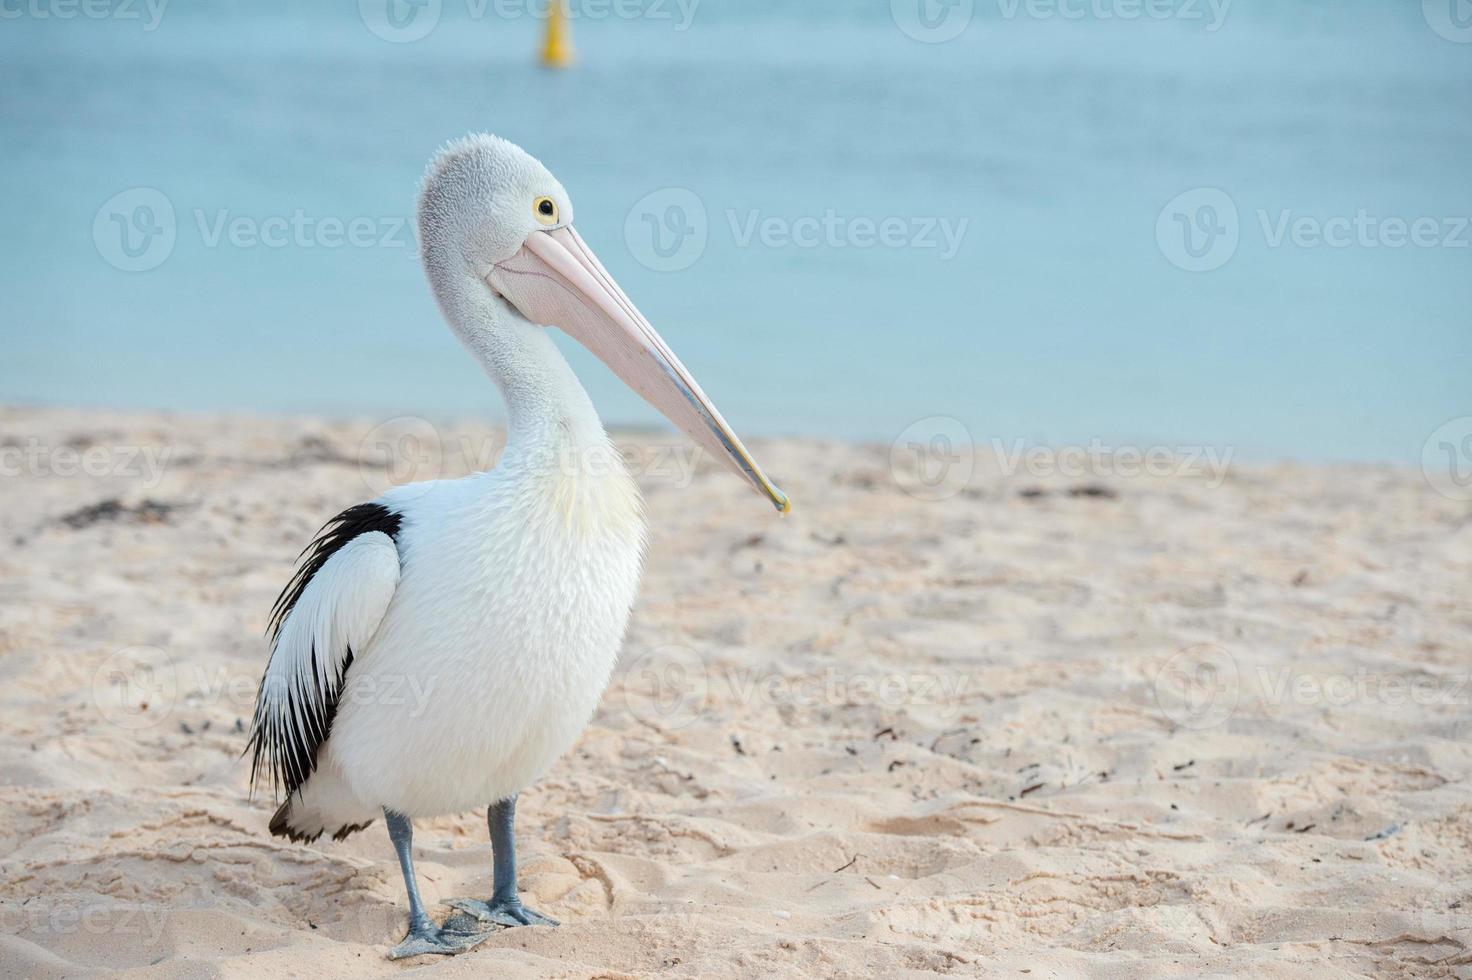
point(556, 280)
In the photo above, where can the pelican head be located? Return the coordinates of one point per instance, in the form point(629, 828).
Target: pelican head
point(493, 219)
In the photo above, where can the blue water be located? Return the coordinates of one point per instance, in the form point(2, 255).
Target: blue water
point(1060, 318)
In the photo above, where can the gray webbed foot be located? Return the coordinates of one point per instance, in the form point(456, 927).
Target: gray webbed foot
point(505, 908)
point(424, 936)
point(439, 941)
point(501, 912)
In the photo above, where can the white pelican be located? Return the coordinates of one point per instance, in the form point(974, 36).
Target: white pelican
point(505, 594)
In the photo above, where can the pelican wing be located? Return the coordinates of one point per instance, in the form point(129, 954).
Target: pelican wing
point(330, 609)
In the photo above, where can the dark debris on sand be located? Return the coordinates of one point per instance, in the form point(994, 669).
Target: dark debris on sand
point(114, 511)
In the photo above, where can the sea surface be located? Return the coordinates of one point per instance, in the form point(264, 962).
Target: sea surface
point(1135, 222)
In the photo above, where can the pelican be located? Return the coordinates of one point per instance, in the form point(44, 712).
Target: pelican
point(504, 594)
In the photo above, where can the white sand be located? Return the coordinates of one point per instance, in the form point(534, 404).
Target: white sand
point(978, 736)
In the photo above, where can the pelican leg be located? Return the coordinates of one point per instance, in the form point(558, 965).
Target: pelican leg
point(424, 936)
point(504, 908)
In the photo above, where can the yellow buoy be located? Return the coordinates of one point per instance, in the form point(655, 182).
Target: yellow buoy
point(557, 52)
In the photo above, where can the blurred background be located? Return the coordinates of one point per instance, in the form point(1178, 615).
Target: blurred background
point(1176, 222)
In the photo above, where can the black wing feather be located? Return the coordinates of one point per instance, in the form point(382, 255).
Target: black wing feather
point(330, 539)
point(291, 755)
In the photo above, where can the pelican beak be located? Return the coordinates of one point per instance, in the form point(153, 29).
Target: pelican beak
point(556, 280)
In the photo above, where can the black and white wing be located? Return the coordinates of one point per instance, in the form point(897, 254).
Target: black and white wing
point(329, 609)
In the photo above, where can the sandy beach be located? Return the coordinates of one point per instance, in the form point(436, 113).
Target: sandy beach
point(1186, 723)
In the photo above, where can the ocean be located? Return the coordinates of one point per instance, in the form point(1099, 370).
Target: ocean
point(1176, 223)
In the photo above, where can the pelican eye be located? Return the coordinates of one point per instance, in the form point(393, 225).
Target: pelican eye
point(546, 210)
